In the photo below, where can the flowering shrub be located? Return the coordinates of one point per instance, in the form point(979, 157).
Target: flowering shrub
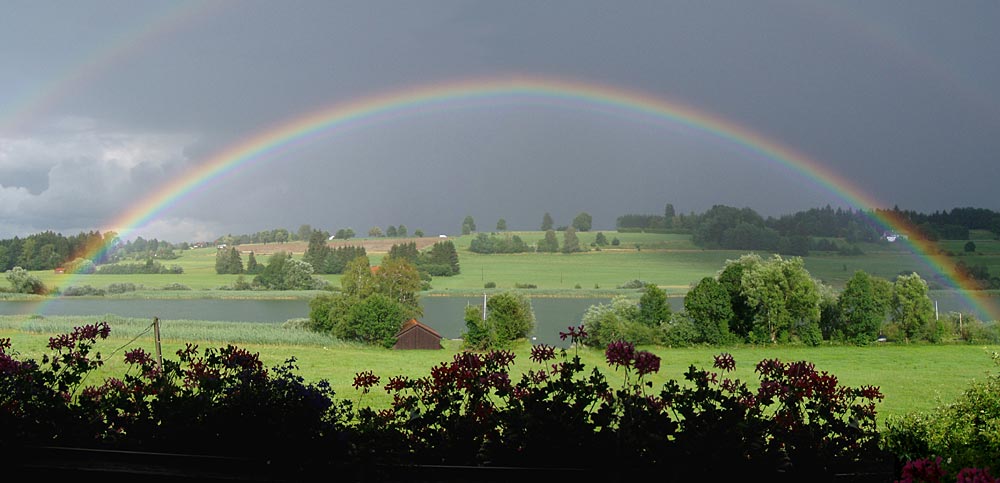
point(469, 412)
point(220, 402)
point(958, 440)
point(931, 470)
point(466, 412)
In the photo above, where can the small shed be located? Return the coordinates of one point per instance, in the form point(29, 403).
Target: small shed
point(415, 335)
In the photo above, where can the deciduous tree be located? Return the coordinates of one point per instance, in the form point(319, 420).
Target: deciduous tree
point(357, 280)
point(509, 317)
point(549, 243)
point(912, 308)
point(785, 299)
point(583, 221)
point(653, 306)
point(374, 320)
point(710, 310)
point(862, 308)
point(398, 279)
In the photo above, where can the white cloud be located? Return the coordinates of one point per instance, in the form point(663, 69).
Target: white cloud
point(91, 174)
point(175, 230)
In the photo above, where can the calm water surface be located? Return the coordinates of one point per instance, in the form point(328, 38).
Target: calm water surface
point(443, 314)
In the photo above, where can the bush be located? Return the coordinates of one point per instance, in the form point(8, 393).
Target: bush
point(149, 267)
point(798, 424)
point(964, 434)
point(509, 317)
point(85, 290)
point(176, 286)
point(118, 288)
point(21, 281)
point(437, 270)
point(376, 320)
point(490, 285)
point(636, 283)
point(525, 285)
point(680, 332)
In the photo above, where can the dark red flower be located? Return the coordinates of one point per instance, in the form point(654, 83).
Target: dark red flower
point(574, 333)
point(137, 356)
point(542, 353)
point(646, 363)
point(620, 353)
point(725, 362)
point(365, 381)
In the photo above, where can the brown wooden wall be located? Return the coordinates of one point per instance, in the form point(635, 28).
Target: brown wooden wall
point(417, 338)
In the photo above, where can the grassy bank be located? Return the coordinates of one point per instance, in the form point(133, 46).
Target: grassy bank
point(912, 377)
point(671, 261)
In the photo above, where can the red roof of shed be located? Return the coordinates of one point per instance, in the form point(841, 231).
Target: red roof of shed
point(414, 323)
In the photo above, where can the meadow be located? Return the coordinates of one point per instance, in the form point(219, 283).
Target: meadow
point(670, 261)
point(913, 378)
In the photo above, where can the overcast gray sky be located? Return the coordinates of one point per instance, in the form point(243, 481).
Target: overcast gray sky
point(103, 103)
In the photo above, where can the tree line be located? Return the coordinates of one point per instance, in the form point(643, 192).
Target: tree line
point(775, 300)
point(305, 231)
point(283, 272)
point(744, 229)
point(49, 250)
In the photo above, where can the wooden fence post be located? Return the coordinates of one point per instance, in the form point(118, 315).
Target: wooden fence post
point(156, 334)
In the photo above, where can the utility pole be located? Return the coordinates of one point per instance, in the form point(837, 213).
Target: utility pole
point(156, 335)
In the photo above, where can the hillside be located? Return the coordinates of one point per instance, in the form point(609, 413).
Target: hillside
point(371, 245)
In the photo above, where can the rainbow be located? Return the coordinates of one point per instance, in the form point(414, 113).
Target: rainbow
point(535, 90)
point(118, 48)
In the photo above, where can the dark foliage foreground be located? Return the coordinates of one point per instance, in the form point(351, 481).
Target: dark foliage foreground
point(558, 419)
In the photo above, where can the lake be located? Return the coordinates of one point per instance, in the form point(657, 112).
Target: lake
point(443, 314)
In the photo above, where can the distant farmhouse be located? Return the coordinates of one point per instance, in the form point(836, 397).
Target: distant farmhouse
point(891, 237)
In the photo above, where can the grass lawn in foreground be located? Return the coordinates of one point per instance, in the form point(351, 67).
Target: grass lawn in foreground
point(912, 377)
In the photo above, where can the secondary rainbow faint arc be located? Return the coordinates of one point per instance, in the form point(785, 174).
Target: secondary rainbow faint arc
point(519, 89)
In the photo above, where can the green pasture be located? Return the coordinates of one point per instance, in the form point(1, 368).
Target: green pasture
point(668, 260)
point(913, 378)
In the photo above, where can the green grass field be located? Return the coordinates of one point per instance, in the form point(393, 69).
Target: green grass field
point(913, 378)
point(668, 260)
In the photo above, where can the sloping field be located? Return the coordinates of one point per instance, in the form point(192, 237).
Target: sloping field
point(372, 245)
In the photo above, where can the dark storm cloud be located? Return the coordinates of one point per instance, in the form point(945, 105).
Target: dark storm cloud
point(103, 101)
